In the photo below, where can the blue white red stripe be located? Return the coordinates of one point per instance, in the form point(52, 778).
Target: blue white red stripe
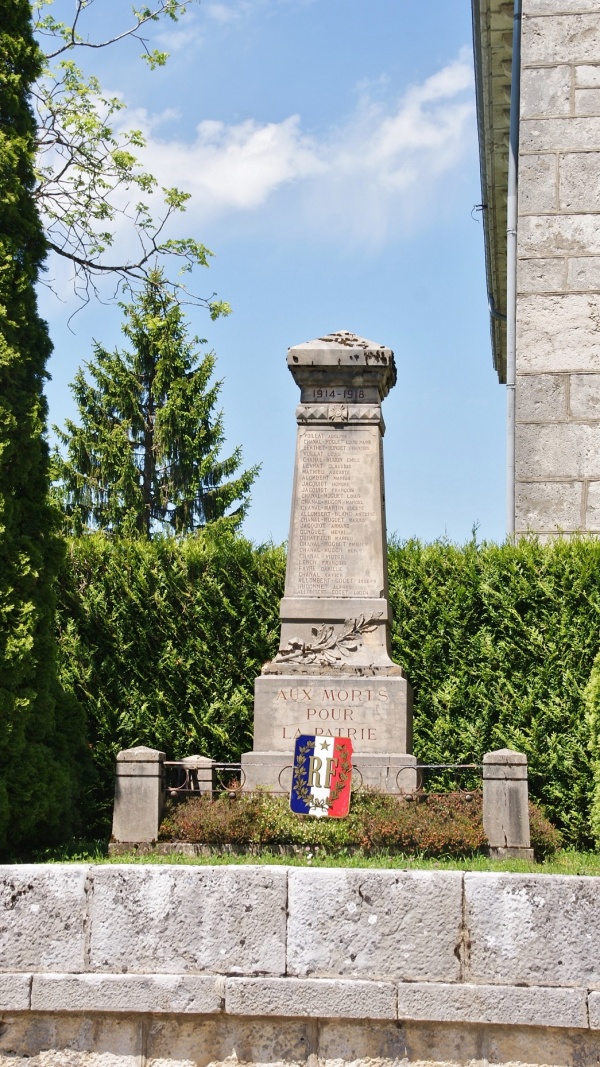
point(321, 780)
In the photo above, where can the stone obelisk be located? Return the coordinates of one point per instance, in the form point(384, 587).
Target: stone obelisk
point(333, 674)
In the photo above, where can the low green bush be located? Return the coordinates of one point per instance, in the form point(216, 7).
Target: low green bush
point(428, 825)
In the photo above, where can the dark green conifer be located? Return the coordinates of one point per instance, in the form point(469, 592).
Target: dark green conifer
point(145, 455)
point(37, 730)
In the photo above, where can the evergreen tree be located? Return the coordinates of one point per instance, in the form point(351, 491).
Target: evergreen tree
point(39, 732)
point(146, 453)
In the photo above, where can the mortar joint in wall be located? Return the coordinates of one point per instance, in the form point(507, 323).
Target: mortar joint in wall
point(88, 890)
point(287, 920)
point(462, 950)
point(313, 1035)
point(144, 1033)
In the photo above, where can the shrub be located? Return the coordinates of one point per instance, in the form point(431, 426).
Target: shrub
point(161, 641)
point(545, 838)
point(498, 642)
point(592, 710)
point(429, 825)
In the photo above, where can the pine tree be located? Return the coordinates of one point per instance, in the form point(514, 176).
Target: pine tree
point(38, 733)
point(145, 455)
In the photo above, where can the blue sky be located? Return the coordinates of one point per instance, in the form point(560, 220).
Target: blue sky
point(330, 149)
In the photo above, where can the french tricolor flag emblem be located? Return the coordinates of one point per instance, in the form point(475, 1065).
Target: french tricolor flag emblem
point(322, 776)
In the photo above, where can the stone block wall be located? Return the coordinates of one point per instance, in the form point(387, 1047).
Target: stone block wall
point(558, 304)
point(174, 966)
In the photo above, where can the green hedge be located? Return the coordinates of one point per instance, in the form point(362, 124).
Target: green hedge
point(161, 642)
point(499, 642)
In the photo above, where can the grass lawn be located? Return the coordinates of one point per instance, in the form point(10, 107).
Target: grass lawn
point(565, 861)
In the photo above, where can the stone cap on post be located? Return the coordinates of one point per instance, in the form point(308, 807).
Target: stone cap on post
point(152, 758)
point(505, 763)
point(343, 359)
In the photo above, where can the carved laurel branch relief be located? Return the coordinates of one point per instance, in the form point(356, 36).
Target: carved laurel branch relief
point(329, 647)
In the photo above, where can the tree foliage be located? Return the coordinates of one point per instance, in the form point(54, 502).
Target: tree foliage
point(146, 452)
point(592, 708)
point(41, 732)
point(89, 177)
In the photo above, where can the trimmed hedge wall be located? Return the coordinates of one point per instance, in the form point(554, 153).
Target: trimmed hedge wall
point(161, 642)
point(499, 642)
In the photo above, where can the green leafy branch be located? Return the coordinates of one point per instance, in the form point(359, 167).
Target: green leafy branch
point(89, 178)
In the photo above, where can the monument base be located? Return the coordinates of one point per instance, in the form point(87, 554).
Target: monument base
point(394, 773)
point(374, 711)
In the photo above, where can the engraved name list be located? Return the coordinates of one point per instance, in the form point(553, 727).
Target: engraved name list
point(336, 510)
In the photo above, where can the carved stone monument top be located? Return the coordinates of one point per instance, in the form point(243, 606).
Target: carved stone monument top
point(333, 672)
point(347, 352)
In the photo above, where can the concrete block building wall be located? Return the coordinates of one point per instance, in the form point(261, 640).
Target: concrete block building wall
point(558, 280)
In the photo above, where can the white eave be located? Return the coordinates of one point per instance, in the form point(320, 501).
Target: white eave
point(492, 44)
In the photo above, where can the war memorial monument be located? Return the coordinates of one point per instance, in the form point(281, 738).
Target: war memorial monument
point(333, 674)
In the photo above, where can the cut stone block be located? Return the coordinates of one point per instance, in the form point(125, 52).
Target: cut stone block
point(546, 91)
point(15, 992)
point(558, 333)
point(171, 919)
point(228, 1041)
point(42, 913)
point(496, 1005)
point(374, 924)
point(533, 929)
point(71, 1040)
point(538, 184)
point(541, 398)
point(321, 998)
point(171, 993)
point(553, 507)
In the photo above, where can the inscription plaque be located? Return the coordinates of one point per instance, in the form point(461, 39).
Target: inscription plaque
point(336, 508)
point(333, 674)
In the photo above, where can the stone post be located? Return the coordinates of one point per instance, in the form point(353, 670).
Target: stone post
point(139, 795)
point(201, 773)
point(505, 804)
point(333, 674)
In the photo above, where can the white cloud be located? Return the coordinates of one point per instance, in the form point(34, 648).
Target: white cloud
point(379, 171)
point(235, 10)
point(382, 173)
point(233, 168)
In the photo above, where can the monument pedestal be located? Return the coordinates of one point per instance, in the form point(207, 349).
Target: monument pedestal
point(373, 709)
point(333, 675)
